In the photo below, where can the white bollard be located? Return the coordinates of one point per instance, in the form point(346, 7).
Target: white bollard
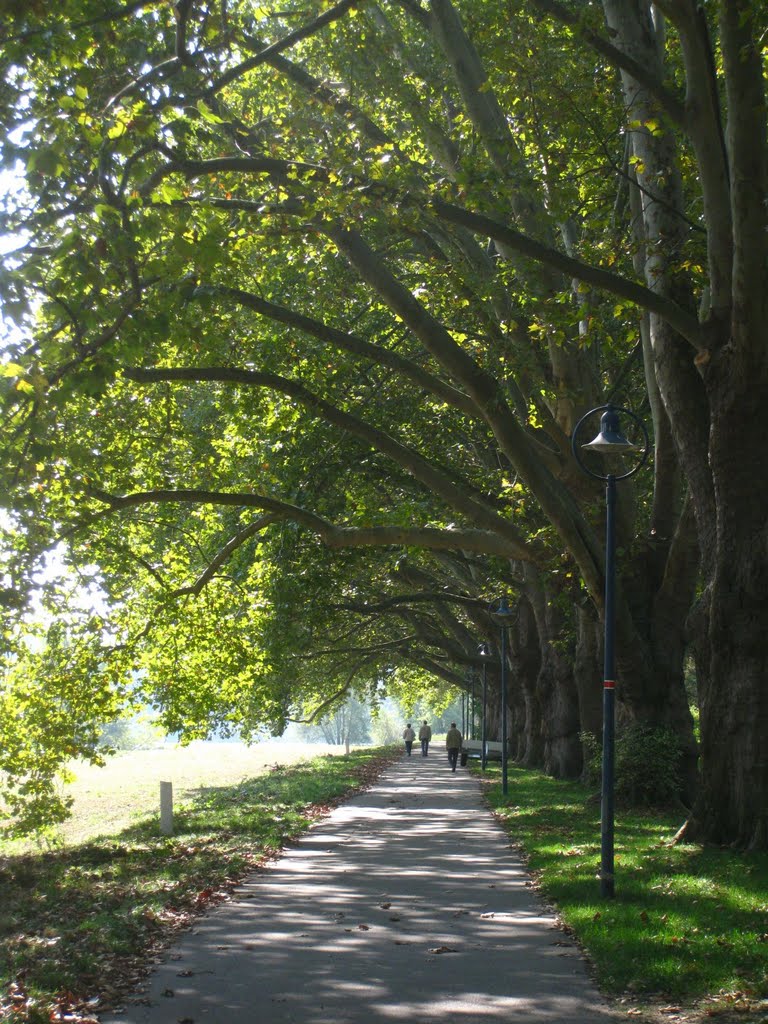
point(166, 808)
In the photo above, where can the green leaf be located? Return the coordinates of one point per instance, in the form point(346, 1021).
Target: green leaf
point(207, 114)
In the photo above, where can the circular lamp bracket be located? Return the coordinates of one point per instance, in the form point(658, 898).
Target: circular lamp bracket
point(622, 446)
point(501, 613)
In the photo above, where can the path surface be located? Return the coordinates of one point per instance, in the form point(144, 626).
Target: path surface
point(405, 903)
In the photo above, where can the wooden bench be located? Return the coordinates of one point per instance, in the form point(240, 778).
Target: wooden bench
point(474, 749)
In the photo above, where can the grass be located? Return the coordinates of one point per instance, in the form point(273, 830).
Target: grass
point(78, 925)
point(110, 798)
point(688, 923)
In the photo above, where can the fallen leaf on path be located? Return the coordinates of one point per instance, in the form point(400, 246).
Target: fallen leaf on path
point(442, 949)
point(385, 906)
point(364, 927)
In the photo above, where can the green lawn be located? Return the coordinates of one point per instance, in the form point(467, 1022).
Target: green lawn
point(688, 924)
point(110, 798)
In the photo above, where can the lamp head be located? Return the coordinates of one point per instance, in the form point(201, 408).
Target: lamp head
point(484, 651)
point(610, 440)
point(502, 613)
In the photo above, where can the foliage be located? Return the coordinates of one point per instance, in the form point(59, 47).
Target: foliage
point(52, 702)
point(100, 910)
point(646, 766)
point(688, 921)
point(137, 733)
point(387, 724)
point(349, 724)
point(308, 305)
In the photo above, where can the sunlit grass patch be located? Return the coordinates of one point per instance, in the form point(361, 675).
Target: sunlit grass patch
point(687, 921)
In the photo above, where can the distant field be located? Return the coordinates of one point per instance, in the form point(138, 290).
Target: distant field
point(128, 787)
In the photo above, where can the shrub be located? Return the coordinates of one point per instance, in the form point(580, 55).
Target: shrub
point(647, 764)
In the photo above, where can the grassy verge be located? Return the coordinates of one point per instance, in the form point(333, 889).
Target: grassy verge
point(111, 797)
point(78, 926)
point(688, 924)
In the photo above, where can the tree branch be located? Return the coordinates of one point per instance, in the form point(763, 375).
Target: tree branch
point(223, 555)
point(670, 103)
point(514, 543)
point(420, 598)
point(265, 55)
point(480, 541)
point(351, 343)
point(683, 322)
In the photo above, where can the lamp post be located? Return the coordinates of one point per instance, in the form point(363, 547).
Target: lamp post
point(473, 714)
point(485, 656)
point(610, 441)
point(505, 616)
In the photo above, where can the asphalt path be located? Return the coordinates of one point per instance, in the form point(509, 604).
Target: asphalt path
point(406, 902)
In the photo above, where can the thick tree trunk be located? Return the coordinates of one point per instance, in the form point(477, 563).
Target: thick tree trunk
point(587, 670)
point(555, 686)
point(734, 696)
point(732, 616)
point(525, 669)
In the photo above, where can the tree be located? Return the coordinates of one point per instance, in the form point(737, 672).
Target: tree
point(351, 279)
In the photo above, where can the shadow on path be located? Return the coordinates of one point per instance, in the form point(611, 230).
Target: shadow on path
point(406, 901)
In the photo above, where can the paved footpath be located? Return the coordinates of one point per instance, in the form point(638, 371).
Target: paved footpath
point(405, 903)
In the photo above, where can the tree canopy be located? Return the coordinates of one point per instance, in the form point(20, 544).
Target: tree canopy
point(310, 298)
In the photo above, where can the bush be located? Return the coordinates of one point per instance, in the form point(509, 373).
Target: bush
point(647, 768)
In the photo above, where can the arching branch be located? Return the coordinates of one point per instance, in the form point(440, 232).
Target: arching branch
point(331, 535)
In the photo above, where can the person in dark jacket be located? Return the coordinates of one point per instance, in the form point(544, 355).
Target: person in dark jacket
point(453, 741)
point(425, 735)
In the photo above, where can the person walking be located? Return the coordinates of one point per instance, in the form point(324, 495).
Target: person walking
point(453, 741)
point(409, 736)
point(425, 735)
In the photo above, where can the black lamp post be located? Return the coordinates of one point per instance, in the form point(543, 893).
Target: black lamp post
point(610, 441)
point(485, 656)
point(505, 616)
point(474, 709)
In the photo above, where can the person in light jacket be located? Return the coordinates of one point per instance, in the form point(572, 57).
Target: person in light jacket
point(453, 741)
point(425, 735)
point(409, 736)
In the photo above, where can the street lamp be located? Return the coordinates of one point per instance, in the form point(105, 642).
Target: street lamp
point(485, 656)
point(610, 441)
point(474, 709)
point(505, 616)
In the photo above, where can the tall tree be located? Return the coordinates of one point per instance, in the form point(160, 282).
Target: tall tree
point(352, 276)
